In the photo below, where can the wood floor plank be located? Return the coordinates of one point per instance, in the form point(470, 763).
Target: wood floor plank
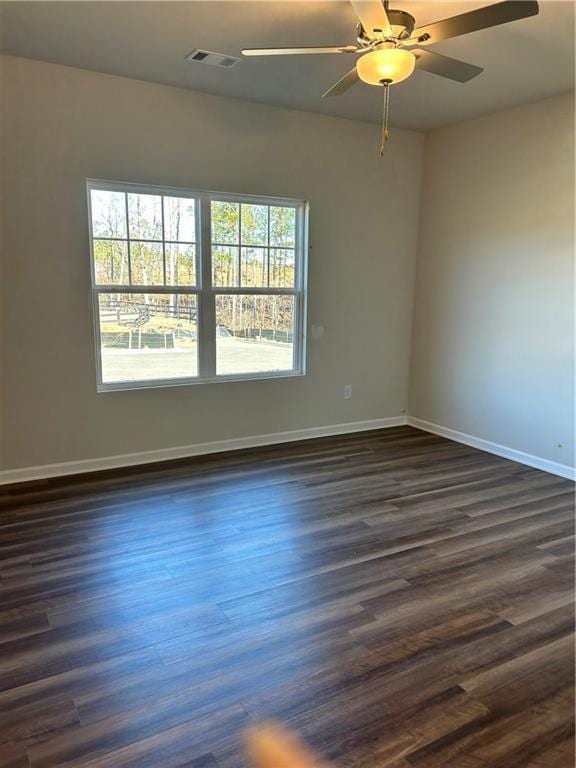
point(401, 600)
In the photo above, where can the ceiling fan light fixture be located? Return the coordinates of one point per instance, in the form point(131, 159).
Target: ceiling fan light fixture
point(386, 64)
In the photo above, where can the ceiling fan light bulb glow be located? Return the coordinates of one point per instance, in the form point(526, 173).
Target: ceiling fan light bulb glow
point(392, 64)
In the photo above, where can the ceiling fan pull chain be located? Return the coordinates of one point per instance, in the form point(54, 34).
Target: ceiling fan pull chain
point(386, 104)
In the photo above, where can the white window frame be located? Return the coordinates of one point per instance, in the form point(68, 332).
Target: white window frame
point(204, 291)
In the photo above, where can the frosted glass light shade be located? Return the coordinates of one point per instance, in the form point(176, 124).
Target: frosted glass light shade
point(393, 64)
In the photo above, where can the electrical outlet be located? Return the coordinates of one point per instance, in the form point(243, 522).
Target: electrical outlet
point(348, 392)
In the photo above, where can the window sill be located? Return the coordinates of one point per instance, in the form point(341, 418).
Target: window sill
point(194, 381)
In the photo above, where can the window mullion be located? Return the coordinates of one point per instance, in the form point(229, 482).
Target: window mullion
point(163, 240)
point(128, 237)
point(239, 245)
point(268, 250)
point(207, 303)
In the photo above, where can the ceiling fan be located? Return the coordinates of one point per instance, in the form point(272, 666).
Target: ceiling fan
point(390, 46)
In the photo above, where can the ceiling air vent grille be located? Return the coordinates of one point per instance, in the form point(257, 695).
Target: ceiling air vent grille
point(212, 58)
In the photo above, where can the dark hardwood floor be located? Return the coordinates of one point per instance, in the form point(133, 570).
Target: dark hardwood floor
point(399, 599)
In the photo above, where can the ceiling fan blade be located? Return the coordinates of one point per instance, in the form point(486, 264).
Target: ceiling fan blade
point(349, 79)
point(298, 51)
point(481, 18)
point(373, 17)
point(453, 69)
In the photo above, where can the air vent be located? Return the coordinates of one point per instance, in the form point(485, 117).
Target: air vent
point(212, 58)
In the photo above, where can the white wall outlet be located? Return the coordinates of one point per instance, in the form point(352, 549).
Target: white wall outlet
point(348, 392)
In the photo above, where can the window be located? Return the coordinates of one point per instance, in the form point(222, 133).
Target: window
point(195, 286)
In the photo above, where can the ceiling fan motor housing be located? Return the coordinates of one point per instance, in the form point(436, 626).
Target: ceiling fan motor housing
point(402, 23)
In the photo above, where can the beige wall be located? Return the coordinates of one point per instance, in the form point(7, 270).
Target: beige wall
point(493, 337)
point(62, 125)
point(2, 191)
point(492, 344)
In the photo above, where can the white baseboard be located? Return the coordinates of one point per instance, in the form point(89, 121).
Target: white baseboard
point(185, 451)
point(46, 471)
point(554, 467)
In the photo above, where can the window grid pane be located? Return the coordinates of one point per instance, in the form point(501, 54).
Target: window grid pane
point(254, 333)
point(180, 264)
point(264, 236)
point(147, 263)
point(108, 214)
point(225, 265)
point(110, 261)
point(145, 216)
point(141, 213)
point(147, 336)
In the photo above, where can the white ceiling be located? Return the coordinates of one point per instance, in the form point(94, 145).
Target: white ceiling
point(524, 61)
